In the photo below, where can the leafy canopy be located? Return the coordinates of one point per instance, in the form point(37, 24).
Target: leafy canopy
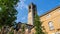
point(38, 25)
point(8, 12)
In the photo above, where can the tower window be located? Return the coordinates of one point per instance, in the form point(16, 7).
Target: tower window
point(51, 25)
point(29, 7)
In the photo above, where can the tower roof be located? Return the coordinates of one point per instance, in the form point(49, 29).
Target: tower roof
point(32, 4)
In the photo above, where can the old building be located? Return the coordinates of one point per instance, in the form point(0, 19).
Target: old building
point(51, 19)
point(22, 28)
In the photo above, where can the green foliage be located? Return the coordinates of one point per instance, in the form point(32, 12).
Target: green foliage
point(8, 12)
point(23, 28)
point(37, 24)
point(11, 33)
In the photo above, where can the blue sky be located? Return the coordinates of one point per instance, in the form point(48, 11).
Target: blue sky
point(43, 6)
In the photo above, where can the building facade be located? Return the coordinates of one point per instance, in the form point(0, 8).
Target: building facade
point(50, 20)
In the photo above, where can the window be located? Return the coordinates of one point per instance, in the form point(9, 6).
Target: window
point(29, 7)
point(51, 25)
point(48, 15)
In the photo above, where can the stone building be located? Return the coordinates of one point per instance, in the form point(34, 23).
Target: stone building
point(50, 20)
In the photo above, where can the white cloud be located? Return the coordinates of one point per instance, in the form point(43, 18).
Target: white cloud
point(22, 5)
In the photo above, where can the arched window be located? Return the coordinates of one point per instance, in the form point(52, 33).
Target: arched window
point(50, 23)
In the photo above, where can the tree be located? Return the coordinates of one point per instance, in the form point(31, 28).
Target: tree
point(8, 12)
point(23, 29)
point(38, 25)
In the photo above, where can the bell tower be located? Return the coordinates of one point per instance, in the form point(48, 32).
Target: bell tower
point(31, 13)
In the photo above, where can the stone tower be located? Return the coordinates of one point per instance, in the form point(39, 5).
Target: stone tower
point(31, 13)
